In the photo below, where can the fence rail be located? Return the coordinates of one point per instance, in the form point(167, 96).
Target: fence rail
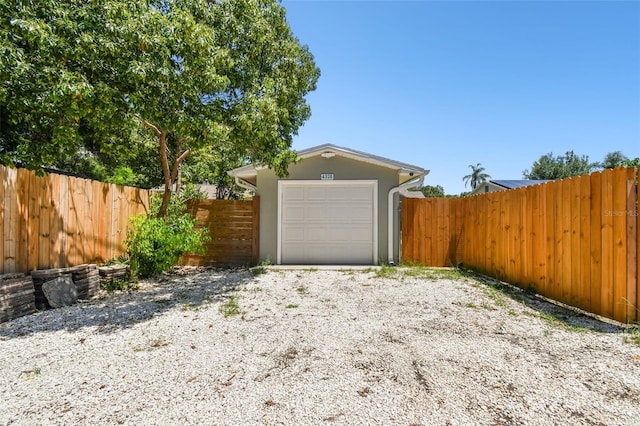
point(59, 221)
point(233, 227)
point(573, 240)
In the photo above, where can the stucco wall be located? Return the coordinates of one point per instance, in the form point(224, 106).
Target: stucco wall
point(310, 169)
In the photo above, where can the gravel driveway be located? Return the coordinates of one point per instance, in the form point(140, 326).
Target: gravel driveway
point(302, 347)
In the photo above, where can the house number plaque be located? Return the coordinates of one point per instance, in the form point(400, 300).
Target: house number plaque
point(326, 176)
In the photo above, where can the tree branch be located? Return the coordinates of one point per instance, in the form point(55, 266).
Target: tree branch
point(150, 125)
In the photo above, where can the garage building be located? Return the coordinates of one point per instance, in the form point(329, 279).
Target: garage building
point(332, 208)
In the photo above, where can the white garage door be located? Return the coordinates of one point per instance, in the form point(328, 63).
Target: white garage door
point(327, 222)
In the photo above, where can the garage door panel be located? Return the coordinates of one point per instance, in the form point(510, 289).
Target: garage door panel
point(295, 253)
point(294, 213)
point(338, 213)
point(361, 234)
point(294, 193)
point(293, 234)
point(315, 193)
point(315, 212)
point(361, 214)
point(348, 254)
point(352, 254)
point(316, 234)
point(336, 234)
point(327, 222)
point(360, 194)
point(338, 193)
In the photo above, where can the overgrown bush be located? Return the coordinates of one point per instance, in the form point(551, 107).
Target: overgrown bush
point(156, 244)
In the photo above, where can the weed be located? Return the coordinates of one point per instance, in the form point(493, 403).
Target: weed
point(231, 307)
point(466, 305)
point(634, 336)
point(512, 313)
point(158, 342)
point(30, 373)
point(190, 307)
point(496, 295)
point(151, 344)
point(312, 269)
point(119, 284)
point(258, 270)
point(386, 271)
point(291, 306)
point(487, 306)
point(556, 319)
point(301, 290)
point(419, 272)
point(261, 268)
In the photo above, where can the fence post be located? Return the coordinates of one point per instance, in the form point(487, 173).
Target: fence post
point(255, 233)
point(632, 245)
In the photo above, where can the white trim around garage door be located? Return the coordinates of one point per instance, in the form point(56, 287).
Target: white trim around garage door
point(361, 183)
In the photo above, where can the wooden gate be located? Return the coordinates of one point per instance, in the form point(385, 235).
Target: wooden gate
point(233, 227)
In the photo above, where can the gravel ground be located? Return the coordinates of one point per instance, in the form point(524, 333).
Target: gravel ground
point(318, 347)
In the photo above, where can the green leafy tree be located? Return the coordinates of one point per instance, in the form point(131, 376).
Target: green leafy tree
point(195, 73)
point(476, 177)
point(210, 166)
point(618, 159)
point(559, 167)
point(433, 191)
point(614, 159)
point(108, 166)
point(49, 96)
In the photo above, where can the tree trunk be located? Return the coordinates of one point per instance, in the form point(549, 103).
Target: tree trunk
point(179, 181)
point(170, 175)
point(164, 161)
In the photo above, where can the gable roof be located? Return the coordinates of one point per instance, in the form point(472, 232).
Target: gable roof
point(330, 150)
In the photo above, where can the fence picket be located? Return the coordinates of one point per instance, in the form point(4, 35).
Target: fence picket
point(584, 262)
point(3, 212)
point(632, 244)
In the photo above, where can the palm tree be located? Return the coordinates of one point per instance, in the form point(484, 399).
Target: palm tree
point(476, 177)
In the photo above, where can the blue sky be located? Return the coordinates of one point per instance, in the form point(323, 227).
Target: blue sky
point(445, 84)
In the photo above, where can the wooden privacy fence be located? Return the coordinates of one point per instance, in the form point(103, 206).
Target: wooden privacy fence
point(573, 240)
point(233, 227)
point(58, 221)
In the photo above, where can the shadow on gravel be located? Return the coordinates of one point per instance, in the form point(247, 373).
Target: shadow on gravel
point(189, 292)
point(551, 312)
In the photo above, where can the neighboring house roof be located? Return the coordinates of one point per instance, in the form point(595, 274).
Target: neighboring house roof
point(330, 150)
point(497, 185)
point(512, 184)
point(211, 191)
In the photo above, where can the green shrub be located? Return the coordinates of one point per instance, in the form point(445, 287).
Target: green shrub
point(120, 284)
point(156, 244)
